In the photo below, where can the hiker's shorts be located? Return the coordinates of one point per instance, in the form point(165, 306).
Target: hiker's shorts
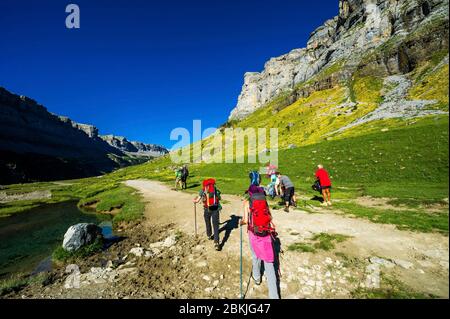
point(325, 187)
point(288, 193)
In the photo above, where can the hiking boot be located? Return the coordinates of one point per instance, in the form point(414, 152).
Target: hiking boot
point(329, 203)
point(324, 204)
point(294, 204)
point(211, 237)
point(217, 246)
point(257, 282)
point(286, 209)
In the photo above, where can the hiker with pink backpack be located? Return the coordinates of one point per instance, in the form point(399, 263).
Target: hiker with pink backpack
point(262, 239)
point(210, 196)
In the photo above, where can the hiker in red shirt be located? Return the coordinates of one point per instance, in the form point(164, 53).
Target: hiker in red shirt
point(325, 184)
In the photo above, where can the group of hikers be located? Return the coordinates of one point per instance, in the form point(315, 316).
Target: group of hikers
point(263, 240)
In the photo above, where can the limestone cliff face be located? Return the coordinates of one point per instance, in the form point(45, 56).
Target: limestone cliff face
point(36, 145)
point(150, 149)
point(136, 148)
point(360, 25)
point(90, 130)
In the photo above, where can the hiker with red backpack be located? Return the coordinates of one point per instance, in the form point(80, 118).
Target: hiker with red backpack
point(210, 196)
point(262, 236)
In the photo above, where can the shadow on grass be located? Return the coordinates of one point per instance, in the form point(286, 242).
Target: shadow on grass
point(193, 185)
point(317, 198)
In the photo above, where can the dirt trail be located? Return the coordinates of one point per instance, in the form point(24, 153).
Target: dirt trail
point(418, 260)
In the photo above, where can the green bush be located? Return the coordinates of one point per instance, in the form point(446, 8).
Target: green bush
point(62, 255)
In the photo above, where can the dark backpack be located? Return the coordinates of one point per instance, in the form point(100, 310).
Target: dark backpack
point(260, 218)
point(255, 178)
point(316, 186)
point(184, 173)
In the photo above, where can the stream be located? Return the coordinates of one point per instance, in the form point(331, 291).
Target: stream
point(27, 239)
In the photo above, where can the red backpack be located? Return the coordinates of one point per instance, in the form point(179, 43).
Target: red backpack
point(260, 218)
point(211, 198)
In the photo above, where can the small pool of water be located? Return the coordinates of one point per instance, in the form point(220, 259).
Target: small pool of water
point(27, 239)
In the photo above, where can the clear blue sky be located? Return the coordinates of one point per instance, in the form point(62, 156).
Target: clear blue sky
point(141, 68)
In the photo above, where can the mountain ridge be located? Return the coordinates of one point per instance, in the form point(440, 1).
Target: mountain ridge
point(37, 145)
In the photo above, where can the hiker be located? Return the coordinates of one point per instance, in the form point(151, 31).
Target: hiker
point(272, 187)
point(261, 235)
point(270, 169)
point(210, 196)
point(184, 176)
point(255, 178)
point(278, 191)
point(178, 178)
point(289, 191)
point(325, 184)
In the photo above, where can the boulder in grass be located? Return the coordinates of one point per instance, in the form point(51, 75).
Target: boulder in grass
point(80, 235)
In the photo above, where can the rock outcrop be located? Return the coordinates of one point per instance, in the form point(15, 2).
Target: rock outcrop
point(36, 145)
point(90, 130)
point(80, 235)
point(360, 26)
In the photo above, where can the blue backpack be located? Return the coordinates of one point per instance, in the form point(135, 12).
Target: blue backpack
point(255, 178)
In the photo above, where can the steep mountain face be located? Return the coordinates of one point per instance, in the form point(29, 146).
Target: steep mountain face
point(36, 145)
point(361, 26)
point(131, 147)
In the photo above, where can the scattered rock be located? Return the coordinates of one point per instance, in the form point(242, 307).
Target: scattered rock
point(382, 262)
point(80, 235)
point(201, 264)
point(403, 263)
point(170, 241)
point(372, 276)
point(137, 251)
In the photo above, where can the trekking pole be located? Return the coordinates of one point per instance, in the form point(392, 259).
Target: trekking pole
point(195, 218)
point(242, 290)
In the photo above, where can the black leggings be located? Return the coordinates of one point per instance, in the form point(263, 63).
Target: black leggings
point(214, 216)
point(288, 194)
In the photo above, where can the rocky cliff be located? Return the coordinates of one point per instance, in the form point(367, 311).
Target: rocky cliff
point(361, 26)
point(36, 145)
point(132, 147)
